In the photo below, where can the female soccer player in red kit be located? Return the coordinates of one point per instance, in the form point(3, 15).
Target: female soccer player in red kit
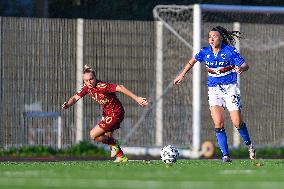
point(113, 112)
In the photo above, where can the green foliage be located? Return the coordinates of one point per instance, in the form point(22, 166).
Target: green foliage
point(84, 148)
point(87, 149)
point(28, 151)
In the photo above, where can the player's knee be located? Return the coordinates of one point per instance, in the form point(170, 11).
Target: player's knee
point(99, 139)
point(219, 124)
point(239, 125)
point(93, 134)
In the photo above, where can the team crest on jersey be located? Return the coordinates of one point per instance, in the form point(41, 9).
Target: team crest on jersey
point(101, 85)
point(223, 56)
point(208, 56)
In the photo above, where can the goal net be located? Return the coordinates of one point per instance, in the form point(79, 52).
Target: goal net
point(261, 87)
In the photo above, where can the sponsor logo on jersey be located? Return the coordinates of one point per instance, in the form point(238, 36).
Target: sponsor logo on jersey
point(108, 119)
point(100, 101)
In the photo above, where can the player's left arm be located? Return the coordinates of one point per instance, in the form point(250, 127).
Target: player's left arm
point(242, 68)
point(239, 61)
point(140, 100)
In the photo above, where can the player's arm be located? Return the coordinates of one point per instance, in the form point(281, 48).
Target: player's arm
point(239, 62)
point(187, 67)
point(140, 100)
point(71, 101)
point(240, 69)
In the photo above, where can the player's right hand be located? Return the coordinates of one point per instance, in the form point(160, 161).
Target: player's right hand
point(178, 80)
point(64, 105)
point(142, 101)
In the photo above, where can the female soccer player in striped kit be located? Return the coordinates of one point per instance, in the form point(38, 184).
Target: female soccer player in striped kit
point(113, 112)
point(223, 63)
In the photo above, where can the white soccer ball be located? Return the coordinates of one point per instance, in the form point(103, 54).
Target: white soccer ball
point(169, 154)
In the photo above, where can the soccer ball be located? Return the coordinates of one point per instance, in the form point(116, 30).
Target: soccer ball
point(169, 154)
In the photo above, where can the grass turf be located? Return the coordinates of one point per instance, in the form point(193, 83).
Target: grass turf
point(209, 174)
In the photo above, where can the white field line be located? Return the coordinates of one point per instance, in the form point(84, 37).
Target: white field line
point(232, 172)
point(131, 184)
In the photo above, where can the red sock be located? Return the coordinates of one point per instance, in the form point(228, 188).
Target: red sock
point(120, 154)
point(109, 141)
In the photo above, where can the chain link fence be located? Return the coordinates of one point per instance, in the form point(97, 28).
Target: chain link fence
point(38, 73)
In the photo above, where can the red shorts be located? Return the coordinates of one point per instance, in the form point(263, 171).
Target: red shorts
point(111, 122)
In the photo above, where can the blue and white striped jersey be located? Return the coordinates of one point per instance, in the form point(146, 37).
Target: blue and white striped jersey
point(220, 66)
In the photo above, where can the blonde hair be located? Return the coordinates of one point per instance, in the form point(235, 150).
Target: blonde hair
point(88, 69)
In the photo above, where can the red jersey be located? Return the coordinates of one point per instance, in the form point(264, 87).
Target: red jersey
point(104, 94)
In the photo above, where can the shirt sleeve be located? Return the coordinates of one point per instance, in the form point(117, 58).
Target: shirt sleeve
point(82, 92)
point(237, 59)
point(200, 56)
point(111, 88)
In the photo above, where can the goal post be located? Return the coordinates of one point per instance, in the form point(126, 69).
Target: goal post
point(186, 24)
point(159, 84)
point(236, 136)
point(79, 70)
point(196, 82)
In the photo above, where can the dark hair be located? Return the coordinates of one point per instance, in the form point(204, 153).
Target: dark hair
point(88, 69)
point(228, 36)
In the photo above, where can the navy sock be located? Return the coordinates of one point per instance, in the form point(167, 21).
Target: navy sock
point(244, 133)
point(222, 140)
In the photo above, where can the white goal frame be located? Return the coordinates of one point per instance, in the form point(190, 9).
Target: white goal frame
point(195, 151)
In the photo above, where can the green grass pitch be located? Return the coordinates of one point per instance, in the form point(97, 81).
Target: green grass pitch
point(187, 174)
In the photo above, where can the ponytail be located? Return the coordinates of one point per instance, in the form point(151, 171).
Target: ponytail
point(228, 36)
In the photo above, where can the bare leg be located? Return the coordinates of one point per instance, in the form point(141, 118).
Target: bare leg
point(100, 135)
point(240, 125)
point(236, 118)
point(243, 131)
point(217, 113)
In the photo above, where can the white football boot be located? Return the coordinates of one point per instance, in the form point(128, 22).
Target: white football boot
point(251, 150)
point(122, 159)
point(114, 150)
